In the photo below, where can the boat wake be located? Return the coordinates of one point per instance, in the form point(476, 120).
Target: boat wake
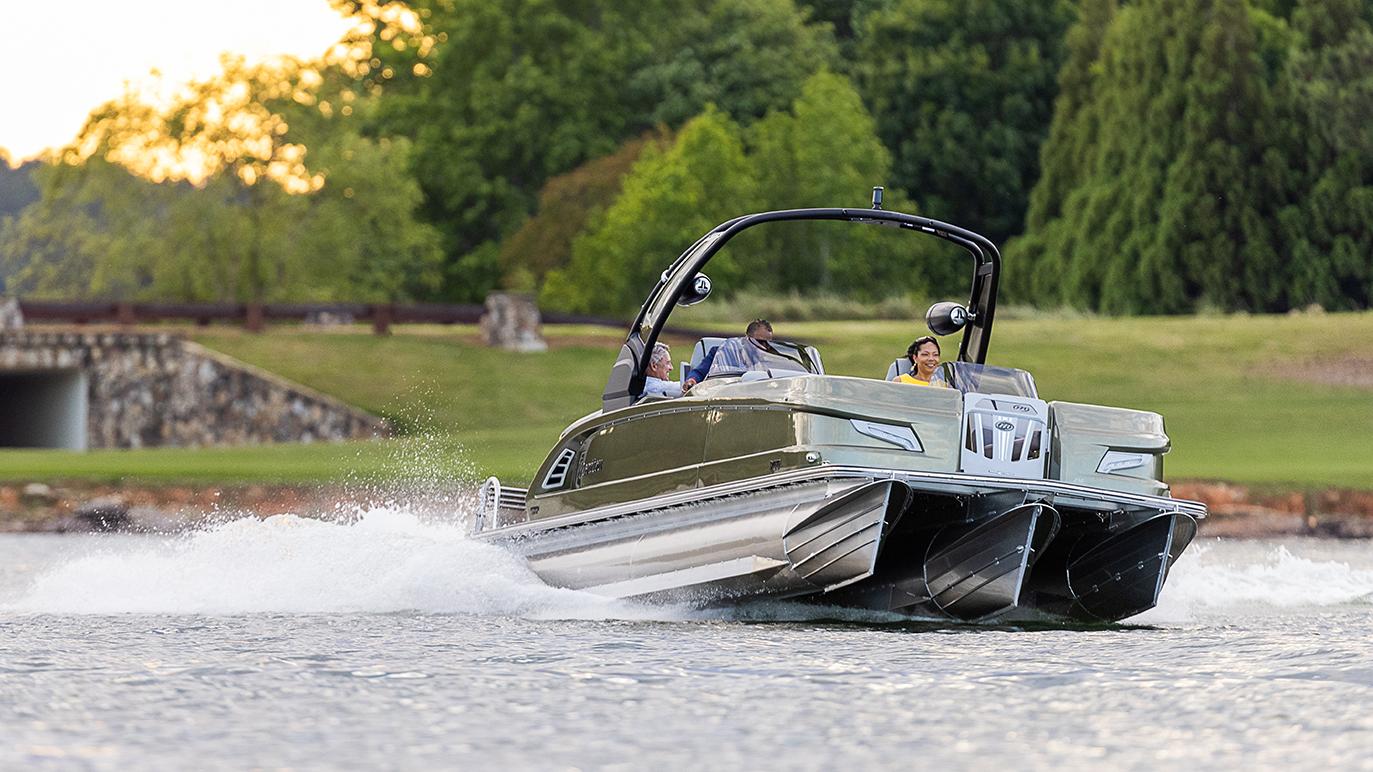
point(1226, 577)
point(383, 560)
point(390, 559)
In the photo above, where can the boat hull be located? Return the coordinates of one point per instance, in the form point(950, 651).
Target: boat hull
point(940, 545)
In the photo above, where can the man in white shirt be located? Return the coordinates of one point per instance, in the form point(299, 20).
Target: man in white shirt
point(659, 372)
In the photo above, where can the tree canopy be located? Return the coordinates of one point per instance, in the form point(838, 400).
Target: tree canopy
point(1204, 155)
point(821, 151)
point(567, 204)
point(523, 90)
point(963, 93)
point(1141, 156)
point(210, 198)
point(17, 188)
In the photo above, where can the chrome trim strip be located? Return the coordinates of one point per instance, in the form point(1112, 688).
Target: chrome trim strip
point(949, 482)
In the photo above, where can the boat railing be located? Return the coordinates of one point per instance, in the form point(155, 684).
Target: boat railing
point(493, 500)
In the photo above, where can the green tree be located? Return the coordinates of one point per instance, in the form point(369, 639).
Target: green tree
point(963, 93)
point(225, 125)
point(1073, 127)
point(1212, 228)
point(1330, 229)
point(519, 91)
point(1063, 165)
point(17, 191)
point(17, 188)
point(1160, 189)
point(669, 199)
point(567, 203)
point(358, 233)
point(38, 251)
point(746, 57)
point(823, 152)
point(247, 220)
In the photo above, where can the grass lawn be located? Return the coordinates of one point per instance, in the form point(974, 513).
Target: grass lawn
point(1243, 395)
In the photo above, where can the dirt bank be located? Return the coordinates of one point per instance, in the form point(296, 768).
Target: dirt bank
point(1243, 511)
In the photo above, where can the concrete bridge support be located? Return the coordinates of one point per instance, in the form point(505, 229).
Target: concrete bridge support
point(84, 389)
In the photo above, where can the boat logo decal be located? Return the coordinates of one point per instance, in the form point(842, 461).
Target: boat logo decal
point(1005, 426)
point(592, 466)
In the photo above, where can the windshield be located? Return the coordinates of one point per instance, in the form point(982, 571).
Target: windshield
point(740, 355)
point(968, 377)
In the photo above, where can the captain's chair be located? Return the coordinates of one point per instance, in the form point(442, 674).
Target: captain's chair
point(902, 365)
point(698, 353)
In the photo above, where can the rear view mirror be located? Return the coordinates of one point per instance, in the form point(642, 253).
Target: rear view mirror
point(698, 291)
point(946, 318)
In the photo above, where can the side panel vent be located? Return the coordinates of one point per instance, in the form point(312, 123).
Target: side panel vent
point(557, 474)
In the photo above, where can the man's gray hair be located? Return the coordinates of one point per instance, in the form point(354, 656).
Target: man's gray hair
point(661, 354)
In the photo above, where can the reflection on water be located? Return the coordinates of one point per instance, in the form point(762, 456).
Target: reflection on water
point(391, 641)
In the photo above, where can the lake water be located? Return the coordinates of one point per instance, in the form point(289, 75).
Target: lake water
point(392, 642)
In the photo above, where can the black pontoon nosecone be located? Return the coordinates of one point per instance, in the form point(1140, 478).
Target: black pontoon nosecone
point(977, 500)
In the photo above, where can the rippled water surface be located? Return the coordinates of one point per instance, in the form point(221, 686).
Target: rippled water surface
point(393, 643)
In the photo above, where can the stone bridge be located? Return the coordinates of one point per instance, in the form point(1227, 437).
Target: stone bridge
point(92, 389)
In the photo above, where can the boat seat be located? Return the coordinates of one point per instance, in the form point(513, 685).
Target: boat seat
point(901, 365)
point(703, 347)
point(698, 353)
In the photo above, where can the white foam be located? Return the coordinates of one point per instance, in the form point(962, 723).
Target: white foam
point(390, 559)
point(1249, 576)
point(387, 560)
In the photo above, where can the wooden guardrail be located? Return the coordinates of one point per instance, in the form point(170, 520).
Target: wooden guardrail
point(255, 316)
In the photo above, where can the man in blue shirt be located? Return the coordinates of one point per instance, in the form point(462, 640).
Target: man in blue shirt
point(758, 329)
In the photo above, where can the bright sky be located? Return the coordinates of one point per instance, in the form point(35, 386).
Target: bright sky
point(70, 56)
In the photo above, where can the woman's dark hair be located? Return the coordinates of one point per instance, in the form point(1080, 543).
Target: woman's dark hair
point(910, 352)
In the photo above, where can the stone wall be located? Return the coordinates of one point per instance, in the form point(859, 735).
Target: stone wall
point(155, 389)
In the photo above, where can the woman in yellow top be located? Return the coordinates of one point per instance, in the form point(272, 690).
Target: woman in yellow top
point(924, 357)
